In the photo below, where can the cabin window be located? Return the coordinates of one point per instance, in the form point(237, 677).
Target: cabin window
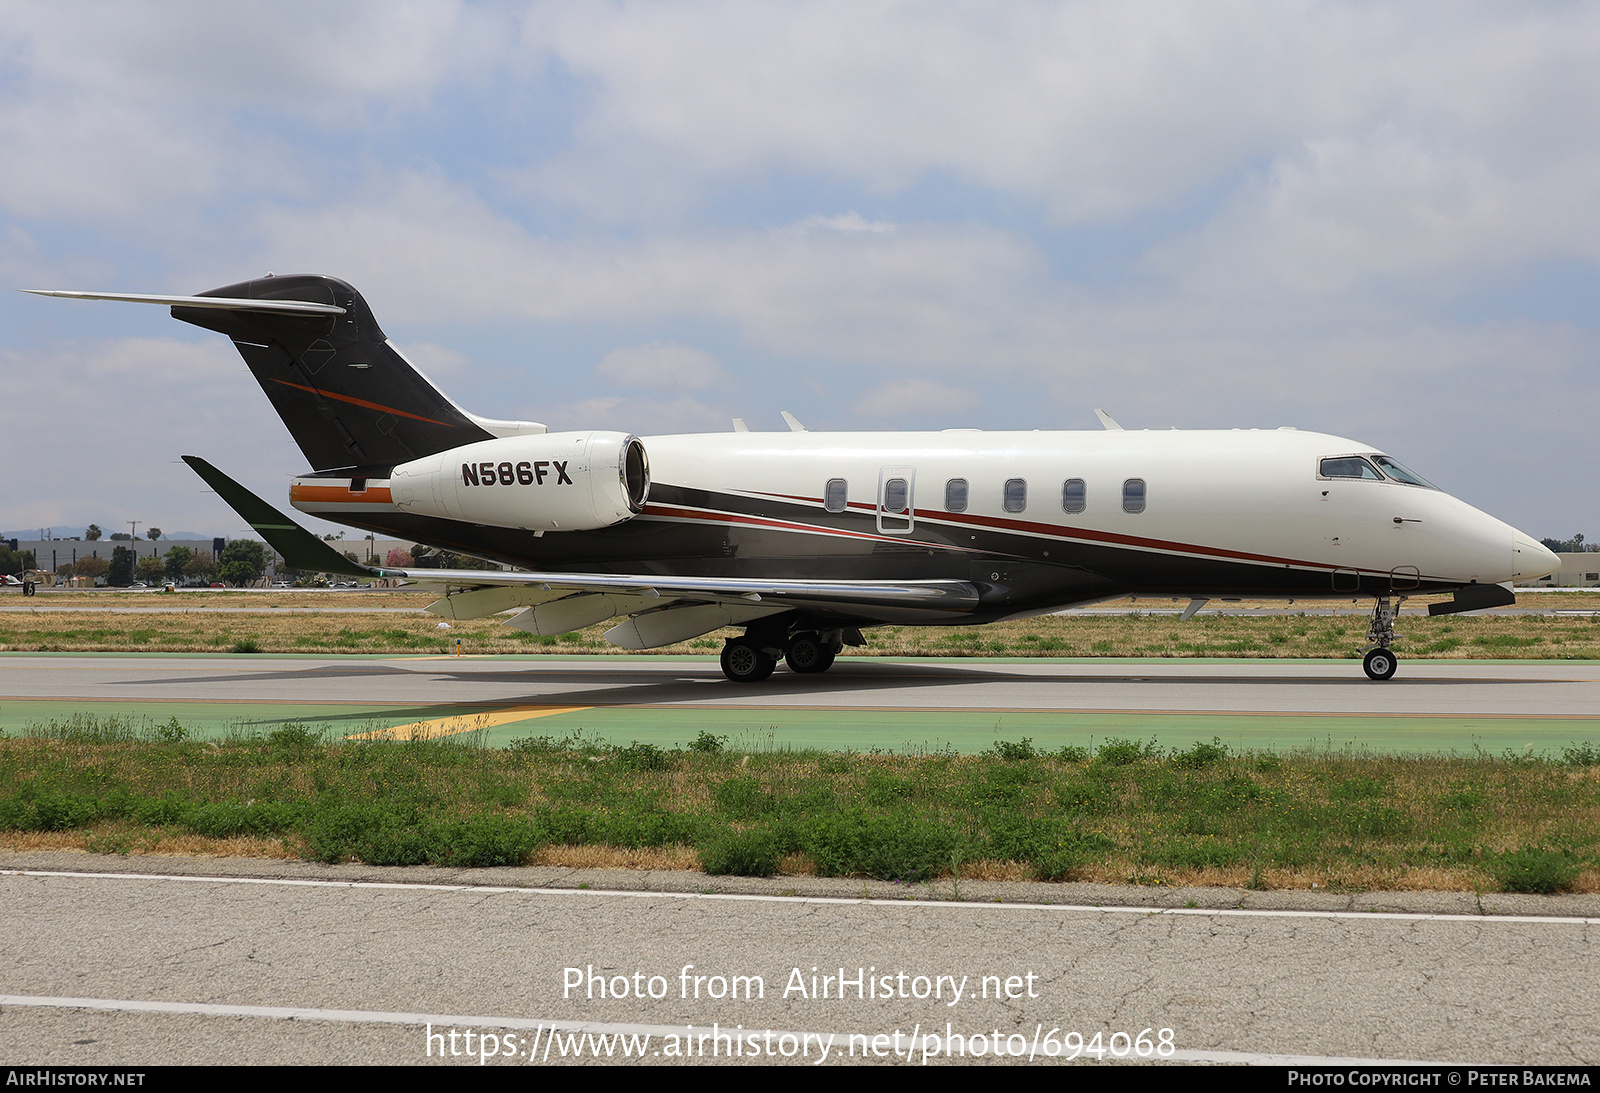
point(894, 496)
point(836, 496)
point(1016, 497)
point(1074, 495)
point(1349, 466)
point(955, 495)
point(1133, 495)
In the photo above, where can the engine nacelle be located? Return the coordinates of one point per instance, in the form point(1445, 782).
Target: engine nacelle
point(544, 482)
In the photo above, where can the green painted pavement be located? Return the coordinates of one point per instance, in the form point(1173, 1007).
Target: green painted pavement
point(899, 731)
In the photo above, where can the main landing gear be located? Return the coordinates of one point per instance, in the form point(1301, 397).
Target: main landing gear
point(1380, 662)
point(753, 657)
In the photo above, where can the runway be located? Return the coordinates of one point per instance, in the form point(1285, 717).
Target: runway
point(961, 704)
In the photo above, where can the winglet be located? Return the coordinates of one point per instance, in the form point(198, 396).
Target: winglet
point(1107, 420)
point(794, 422)
point(300, 549)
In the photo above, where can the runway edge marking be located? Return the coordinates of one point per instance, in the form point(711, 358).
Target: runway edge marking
point(902, 1042)
point(489, 889)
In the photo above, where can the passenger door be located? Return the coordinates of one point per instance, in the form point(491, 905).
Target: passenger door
point(897, 514)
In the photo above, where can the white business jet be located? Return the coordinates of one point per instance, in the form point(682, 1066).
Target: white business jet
point(802, 539)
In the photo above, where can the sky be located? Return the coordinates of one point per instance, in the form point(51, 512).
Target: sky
point(1373, 220)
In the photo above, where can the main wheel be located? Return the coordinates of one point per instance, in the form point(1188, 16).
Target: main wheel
point(807, 654)
point(744, 663)
point(1380, 663)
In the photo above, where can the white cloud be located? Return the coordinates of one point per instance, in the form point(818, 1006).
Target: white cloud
point(661, 366)
point(937, 404)
point(645, 417)
point(96, 429)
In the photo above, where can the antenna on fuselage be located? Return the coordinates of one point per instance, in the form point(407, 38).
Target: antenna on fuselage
point(1107, 420)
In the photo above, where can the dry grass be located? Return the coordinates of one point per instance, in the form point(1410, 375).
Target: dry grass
point(1128, 635)
point(616, 857)
point(116, 839)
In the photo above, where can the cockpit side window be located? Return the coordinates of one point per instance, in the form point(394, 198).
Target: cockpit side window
point(1348, 466)
point(1394, 470)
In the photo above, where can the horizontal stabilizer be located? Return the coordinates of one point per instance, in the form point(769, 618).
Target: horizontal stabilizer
point(220, 303)
point(300, 549)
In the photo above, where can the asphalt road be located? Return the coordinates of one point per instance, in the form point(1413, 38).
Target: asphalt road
point(306, 968)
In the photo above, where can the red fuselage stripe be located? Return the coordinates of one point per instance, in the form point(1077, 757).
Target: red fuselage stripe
point(363, 402)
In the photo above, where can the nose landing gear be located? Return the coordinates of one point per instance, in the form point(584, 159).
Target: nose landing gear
point(1380, 662)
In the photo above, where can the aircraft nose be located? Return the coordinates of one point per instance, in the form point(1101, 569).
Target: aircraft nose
point(1532, 559)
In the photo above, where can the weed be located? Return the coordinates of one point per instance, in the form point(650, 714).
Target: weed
point(637, 756)
point(1120, 753)
point(707, 744)
point(741, 853)
point(1581, 755)
point(1013, 751)
point(1535, 869)
point(1201, 755)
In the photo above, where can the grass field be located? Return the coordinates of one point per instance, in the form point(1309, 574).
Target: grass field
point(299, 623)
point(1127, 812)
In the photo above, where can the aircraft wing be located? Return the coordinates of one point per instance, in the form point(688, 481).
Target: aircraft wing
point(302, 550)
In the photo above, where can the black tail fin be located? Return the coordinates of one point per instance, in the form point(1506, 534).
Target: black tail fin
point(349, 399)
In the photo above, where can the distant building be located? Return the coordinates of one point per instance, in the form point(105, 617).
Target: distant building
point(1580, 570)
point(50, 554)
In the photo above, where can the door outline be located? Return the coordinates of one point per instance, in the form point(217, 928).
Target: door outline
point(902, 522)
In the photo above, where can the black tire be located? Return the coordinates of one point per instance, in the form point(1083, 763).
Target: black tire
point(744, 663)
point(808, 654)
point(1380, 664)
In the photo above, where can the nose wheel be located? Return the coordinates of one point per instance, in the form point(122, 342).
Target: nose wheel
point(1380, 662)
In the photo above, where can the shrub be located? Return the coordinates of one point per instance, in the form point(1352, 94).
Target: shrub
point(707, 744)
point(637, 756)
point(1535, 869)
point(1201, 755)
point(1121, 753)
point(1056, 849)
point(742, 798)
point(482, 841)
point(741, 853)
point(1012, 750)
point(1581, 755)
point(901, 847)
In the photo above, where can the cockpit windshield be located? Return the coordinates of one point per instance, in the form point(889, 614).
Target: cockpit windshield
point(1373, 468)
point(1348, 466)
point(1399, 473)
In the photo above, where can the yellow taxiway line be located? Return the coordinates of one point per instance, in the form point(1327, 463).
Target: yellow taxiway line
point(459, 723)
